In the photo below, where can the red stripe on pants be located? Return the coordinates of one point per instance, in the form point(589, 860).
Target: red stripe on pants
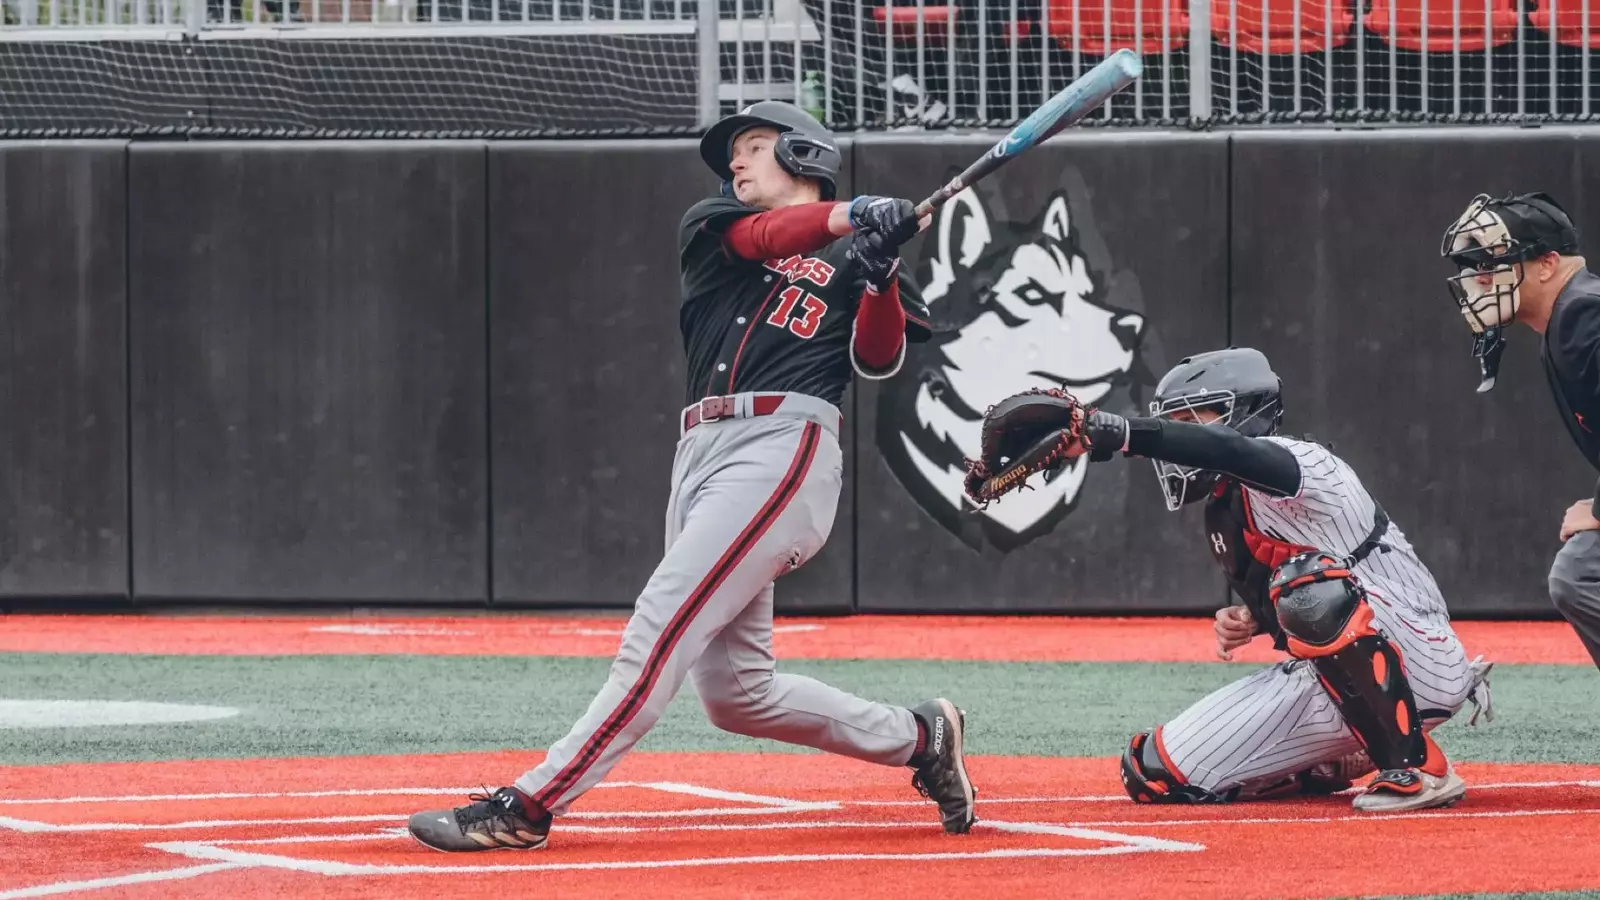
point(656, 660)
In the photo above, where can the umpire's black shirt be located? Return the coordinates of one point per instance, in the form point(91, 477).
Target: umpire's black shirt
point(1571, 356)
point(777, 325)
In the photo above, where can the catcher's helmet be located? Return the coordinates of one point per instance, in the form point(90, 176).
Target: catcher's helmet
point(1485, 243)
point(1239, 385)
point(804, 149)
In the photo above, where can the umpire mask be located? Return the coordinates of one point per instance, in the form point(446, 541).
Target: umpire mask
point(1490, 243)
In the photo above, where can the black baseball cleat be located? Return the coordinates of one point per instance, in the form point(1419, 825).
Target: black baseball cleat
point(498, 821)
point(941, 774)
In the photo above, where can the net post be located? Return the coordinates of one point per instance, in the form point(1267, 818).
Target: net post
point(1199, 59)
point(710, 62)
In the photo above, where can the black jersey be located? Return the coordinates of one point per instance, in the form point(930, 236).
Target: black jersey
point(777, 325)
point(1571, 355)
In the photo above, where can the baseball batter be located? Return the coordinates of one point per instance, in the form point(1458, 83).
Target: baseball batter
point(1374, 663)
point(785, 295)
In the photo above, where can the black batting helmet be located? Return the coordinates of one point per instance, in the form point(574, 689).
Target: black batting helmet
point(1239, 385)
point(805, 148)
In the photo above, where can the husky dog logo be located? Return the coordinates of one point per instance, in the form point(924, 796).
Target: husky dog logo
point(1016, 305)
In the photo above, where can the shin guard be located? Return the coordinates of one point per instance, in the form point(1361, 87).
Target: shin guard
point(1327, 620)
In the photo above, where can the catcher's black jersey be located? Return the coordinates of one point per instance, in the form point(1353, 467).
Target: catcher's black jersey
point(772, 326)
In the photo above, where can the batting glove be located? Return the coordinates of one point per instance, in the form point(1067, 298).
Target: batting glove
point(877, 263)
point(893, 218)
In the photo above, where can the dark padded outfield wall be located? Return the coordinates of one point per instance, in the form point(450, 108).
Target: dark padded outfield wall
point(1099, 259)
point(63, 388)
point(308, 333)
point(1343, 288)
point(587, 367)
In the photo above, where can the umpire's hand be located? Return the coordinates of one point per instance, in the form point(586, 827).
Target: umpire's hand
point(1235, 627)
point(1579, 517)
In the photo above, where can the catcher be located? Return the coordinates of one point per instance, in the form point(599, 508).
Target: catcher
point(1373, 665)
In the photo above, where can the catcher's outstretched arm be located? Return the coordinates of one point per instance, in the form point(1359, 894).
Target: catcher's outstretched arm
point(1265, 465)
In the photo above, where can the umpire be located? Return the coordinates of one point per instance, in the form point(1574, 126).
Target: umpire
point(1518, 260)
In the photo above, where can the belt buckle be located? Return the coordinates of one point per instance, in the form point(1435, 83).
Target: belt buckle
point(714, 408)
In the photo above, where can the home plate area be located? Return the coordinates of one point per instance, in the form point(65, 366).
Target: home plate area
point(777, 825)
point(732, 829)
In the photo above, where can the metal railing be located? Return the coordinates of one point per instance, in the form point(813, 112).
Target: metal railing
point(929, 63)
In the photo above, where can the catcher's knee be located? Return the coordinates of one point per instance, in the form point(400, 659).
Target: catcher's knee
point(1149, 778)
point(1320, 608)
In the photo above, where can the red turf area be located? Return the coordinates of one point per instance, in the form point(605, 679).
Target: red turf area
point(1021, 639)
point(668, 825)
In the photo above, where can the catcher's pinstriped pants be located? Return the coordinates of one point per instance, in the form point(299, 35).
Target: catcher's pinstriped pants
point(1280, 720)
point(752, 498)
point(1575, 587)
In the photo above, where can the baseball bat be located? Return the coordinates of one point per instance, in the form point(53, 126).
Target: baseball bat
point(1074, 101)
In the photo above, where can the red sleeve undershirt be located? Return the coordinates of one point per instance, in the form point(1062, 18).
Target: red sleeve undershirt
point(880, 327)
point(780, 233)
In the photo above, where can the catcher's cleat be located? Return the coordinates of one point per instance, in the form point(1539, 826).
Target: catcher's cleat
point(1434, 783)
point(941, 774)
point(498, 821)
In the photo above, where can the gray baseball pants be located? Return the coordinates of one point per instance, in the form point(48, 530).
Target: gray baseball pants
point(752, 497)
point(1575, 588)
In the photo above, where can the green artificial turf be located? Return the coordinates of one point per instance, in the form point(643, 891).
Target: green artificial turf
point(343, 705)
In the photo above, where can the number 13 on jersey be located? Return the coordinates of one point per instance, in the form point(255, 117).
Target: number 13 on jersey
point(805, 325)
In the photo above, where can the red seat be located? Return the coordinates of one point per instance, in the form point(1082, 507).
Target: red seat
point(935, 20)
point(1279, 37)
point(1135, 24)
point(1439, 34)
point(1569, 22)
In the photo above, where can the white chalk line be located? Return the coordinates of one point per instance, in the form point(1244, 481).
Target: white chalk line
point(670, 787)
point(65, 887)
point(25, 826)
point(710, 812)
point(195, 850)
point(1373, 818)
point(695, 790)
point(1159, 845)
point(1118, 842)
point(274, 795)
point(1123, 798)
point(401, 833)
point(217, 823)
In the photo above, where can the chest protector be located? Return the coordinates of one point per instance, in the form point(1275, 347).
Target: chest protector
point(1249, 556)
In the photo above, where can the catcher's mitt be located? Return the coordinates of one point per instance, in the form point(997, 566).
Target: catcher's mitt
point(1023, 434)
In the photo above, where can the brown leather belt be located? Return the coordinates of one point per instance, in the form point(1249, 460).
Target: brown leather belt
point(712, 409)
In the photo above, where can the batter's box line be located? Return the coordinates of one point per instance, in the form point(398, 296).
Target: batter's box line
point(761, 805)
point(1115, 843)
point(672, 787)
point(394, 834)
